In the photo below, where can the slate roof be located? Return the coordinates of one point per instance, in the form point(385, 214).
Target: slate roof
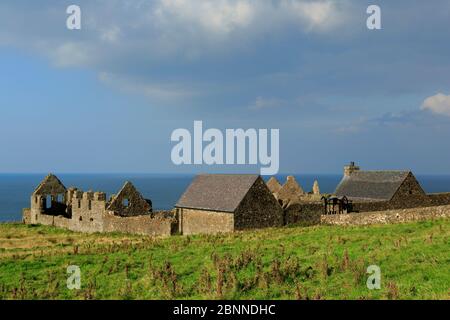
point(377, 185)
point(217, 192)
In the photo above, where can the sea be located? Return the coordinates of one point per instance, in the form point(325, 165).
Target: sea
point(163, 189)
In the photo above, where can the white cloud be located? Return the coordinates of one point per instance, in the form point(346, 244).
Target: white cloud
point(156, 91)
point(217, 16)
point(320, 15)
point(437, 104)
point(265, 103)
point(130, 39)
point(222, 17)
point(70, 54)
point(111, 34)
point(172, 26)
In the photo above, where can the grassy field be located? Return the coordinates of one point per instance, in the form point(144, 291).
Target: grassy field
point(322, 262)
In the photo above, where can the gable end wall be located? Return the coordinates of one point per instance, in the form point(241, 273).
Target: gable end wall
point(258, 209)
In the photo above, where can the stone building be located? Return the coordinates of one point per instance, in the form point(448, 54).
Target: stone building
point(224, 203)
point(49, 198)
point(365, 192)
point(378, 189)
point(127, 211)
point(129, 202)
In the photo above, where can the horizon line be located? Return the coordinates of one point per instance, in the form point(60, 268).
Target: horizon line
point(191, 173)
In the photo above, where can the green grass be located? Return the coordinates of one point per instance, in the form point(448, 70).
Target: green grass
point(321, 262)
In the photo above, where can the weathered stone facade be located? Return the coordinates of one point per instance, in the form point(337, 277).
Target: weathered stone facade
point(291, 191)
point(192, 221)
point(90, 212)
point(388, 216)
point(274, 185)
point(371, 192)
point(316, 188)
point(129, 202)
point(258, 209)
point(304, 213)
point(225, 203)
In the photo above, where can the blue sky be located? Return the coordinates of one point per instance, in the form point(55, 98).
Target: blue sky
point(106, 98)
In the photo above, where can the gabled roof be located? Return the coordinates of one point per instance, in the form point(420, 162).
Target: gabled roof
point(377, 185)
point(291, 189)
point(217, 192)
point(51, 185)
point(137, 201)
point(273, 185)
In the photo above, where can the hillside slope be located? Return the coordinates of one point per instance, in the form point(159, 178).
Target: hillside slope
point(322, 262)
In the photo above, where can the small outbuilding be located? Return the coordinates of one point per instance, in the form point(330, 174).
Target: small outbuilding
point(398, 186)
point(216, 203)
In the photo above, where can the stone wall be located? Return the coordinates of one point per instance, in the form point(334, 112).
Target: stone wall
point(192, 221)
point(439, 199)
point(303, 213)
point(144, 225)
point(370, 206)
point(44, 219)
point(26, 216)
point(62, 222)
point(387, 217)
point(88, 209)
point(258, 209)
point(159, 224)
point(405, 202)
point(49, 220)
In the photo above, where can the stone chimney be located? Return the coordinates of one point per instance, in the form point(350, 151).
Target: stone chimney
point(316, 189)
point(348, 170)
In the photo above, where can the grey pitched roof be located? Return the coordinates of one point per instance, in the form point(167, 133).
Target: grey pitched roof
point(378, 185)
point(217, 192)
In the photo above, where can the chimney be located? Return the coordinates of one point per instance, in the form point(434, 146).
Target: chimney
point(349, 169)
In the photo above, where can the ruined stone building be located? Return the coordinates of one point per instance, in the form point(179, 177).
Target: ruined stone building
point(127, 211)
point(274, 185)
point(225, 203)
point(217, 203)
point(291, 192)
